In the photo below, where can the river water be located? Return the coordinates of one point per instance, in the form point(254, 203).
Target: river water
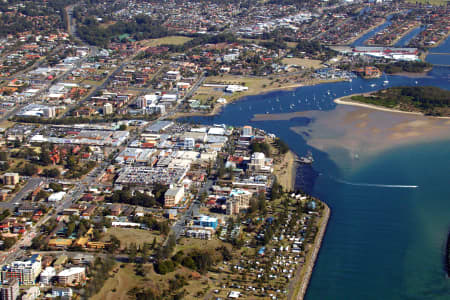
point(383, 241)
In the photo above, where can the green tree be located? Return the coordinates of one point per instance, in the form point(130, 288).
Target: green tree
point(44, 157)
point(29, 170)
point(53, 173)
point(114, 244)
point(70, 229)
point(144, 252)
point(132, 252)
point(55, 186)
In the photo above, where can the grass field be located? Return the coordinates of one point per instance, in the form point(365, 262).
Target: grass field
point(131, 235)
point(168, 40)
point(191, 243)
point(307, 63)
point(204, 94)
point(256, 85)
point(118, 286)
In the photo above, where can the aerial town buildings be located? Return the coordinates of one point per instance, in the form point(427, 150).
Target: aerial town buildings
point(10, 178)
point(9, 290)
point(173, 196)
point(25, 272)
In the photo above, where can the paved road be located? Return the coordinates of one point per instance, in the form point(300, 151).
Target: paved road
point(72, 196)
point(193, 210)
point(31, 185)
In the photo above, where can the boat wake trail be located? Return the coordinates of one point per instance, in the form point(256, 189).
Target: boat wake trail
point(398, 186)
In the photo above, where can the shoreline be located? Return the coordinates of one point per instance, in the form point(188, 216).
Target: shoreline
point(371, 106)
point(312, 255)
point(427, 52)
point(217, 108)
point(413, 74)
point(286, 170)
point(342, 101)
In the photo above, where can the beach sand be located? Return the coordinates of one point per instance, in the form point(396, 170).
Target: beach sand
point(363, 131)
point(285, 170)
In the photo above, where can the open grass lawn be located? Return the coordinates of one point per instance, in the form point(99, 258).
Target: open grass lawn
point(92, 82)
point(307, 63)
point(131, 235)
point(186, 244)
point(253, 83)
point(204, 94)
point(256, 85)
point(125, 279)
point(168, 40)
point(118, 286)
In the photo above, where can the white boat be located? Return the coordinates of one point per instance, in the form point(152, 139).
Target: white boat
point(308, 159)
point(373, 85)
point(385, 82)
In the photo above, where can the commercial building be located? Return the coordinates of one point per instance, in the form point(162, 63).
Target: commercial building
point(173, 196)
point(32, 293)
point(60, 243)
point(148, 100)
point(239, 200)
point(189, 143)
point(10, 290)
point(259, 163)
point(247, 131)
point(10, 178)
point(47, 275)
point(86, 137)
point(25, 272)
point(232, 88)
point(56, 197)
point(159, 126)
point(61, 292)
point(72, 276)
point(206, 221)
point(204, 234)
point(107, 109)
point(173, 75)
point(38, 110)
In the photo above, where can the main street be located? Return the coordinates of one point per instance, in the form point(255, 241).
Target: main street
point(31, 185)
point(74, 194)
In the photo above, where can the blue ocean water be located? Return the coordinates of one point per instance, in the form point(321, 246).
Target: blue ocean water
point(381, 242)
point(386, 243)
